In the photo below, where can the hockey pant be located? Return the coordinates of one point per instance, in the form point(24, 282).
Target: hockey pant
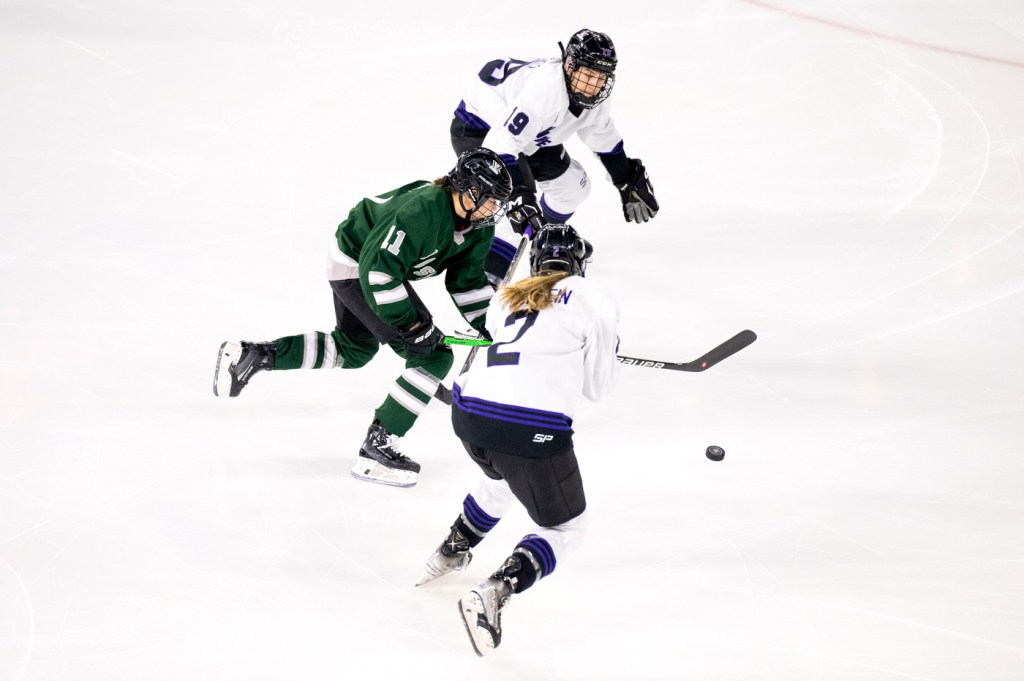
point(354, 342)
point(561, 183)
point(550, 488)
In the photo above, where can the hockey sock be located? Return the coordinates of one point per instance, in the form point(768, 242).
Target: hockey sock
point(315, 350)
point(407, 399)
point(532, 559)
point(474, 523)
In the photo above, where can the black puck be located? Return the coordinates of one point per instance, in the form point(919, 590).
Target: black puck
point(714, 453)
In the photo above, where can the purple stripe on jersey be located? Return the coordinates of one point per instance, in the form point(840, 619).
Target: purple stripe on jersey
point(553, 214)
point(509, 159)
point(510, 408)
point(510, 412)
point(480, 519)
point(503, 249)
point(471, 120)
point(616, 150)
point(542, 550)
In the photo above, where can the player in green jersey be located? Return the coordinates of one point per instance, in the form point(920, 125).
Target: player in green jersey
point(414, 232)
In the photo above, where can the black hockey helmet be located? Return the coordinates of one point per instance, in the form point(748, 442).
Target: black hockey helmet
point(481, 174)
point(592, 50)
point(559, 248)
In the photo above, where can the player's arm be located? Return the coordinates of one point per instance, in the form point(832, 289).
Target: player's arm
point(384, 265)
point(628, 174)
point(600, 347)
point(467, 284)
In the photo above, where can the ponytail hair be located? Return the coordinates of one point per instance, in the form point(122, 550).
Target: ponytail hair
point(532, 294)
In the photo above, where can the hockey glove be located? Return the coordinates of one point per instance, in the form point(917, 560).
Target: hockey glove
point(422, 339)
point(637, 195)
point(524, 213)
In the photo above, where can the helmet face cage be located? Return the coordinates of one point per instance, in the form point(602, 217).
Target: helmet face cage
point(594, 51)
point(559, 248)
point(481, 175)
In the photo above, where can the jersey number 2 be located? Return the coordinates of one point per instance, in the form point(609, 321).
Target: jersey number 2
point(496, 358)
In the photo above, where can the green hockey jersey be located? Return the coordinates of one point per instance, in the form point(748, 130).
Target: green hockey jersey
point(408, 234)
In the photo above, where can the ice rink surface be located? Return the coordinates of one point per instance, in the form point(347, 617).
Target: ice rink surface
point(844, 178)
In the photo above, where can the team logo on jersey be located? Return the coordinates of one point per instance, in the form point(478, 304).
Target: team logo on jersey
point(425, 272)
point(543, 139)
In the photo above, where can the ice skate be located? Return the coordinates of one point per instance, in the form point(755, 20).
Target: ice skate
point(381, 461)
point(452, 555)
point(481, 613)
point(237, 363)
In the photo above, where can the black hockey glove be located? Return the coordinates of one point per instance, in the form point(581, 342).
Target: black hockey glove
point(523, 212)
point(637, 195)
point(421, 340)
point(479, 327)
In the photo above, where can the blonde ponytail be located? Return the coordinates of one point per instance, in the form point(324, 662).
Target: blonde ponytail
point(532, 294)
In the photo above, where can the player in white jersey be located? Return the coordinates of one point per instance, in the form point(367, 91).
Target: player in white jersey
point(554, 342)
point(525, 110)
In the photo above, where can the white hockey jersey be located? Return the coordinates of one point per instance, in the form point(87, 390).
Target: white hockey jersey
point(526, 105)
point(521, 395)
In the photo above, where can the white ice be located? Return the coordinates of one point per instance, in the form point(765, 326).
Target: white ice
point(844, 178)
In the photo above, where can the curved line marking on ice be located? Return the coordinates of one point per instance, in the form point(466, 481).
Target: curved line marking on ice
point(885, 36)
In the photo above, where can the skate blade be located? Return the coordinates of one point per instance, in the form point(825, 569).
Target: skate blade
point(470, 608)
point(427, 577)
point(226, 358)
point(372, 471)
point(430, 575)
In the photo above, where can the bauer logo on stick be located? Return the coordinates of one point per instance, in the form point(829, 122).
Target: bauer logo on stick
point(629, 361)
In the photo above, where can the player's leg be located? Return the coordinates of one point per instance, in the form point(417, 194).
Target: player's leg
point(562, 183)
point(350, 345)
point(380, 457)
point(481, 511)
point(551, 489)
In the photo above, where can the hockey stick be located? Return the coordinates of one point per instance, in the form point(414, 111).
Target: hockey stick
point(444, 394)
point(702, 363)
point(508, 277)
point(460, 340)
point(705, 361)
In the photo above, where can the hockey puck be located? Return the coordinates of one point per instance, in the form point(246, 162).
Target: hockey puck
point(714, 453)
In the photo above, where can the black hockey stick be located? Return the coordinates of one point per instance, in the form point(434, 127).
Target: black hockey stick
point(705, 361)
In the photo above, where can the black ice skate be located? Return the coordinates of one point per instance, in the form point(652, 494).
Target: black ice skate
point(481, 613)
point(381, 461)
point(237, 363)
point(451, 556)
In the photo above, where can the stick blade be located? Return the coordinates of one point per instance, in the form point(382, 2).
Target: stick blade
point(713, 357)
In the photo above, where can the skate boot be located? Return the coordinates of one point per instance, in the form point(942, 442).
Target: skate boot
point(237, 363)
point(481, 612)
point(452, 555)
point(381, 461)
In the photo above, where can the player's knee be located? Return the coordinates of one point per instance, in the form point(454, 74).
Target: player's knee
point(564, 195)
point(437, 364)
point(354, 352)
